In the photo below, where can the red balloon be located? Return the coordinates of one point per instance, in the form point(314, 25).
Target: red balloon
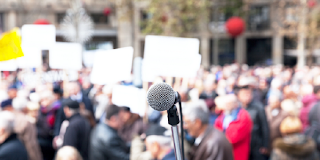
point(311, 3)
point(107, 11)
point(41, 22)
point(235, 26)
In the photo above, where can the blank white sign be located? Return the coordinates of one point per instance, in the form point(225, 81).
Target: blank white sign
point(66, 56)
point(112, 65)
point(129, 96)
point(10, 65)
point(170, 56)
point(40, 36)
point(31, 58)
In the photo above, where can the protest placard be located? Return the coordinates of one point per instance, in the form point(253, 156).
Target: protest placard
point(170, 56)
point(112, 66)
point(31, 58)
point(39, 36)
point(66, 56)
point(130, 96)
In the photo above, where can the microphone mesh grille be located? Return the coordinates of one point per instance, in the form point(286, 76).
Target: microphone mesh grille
point(161, 96)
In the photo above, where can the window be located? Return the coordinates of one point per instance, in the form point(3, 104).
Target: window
point(60, 17)
point(226, 51)
point(99, 18)
point(1, 23)
point(259, 18)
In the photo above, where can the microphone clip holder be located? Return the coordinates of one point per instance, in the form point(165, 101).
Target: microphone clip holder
point(173, 118)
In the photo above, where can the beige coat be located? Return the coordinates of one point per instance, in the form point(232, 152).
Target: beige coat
point(27, 133)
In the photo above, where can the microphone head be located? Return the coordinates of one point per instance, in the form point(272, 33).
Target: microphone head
point(161, 96)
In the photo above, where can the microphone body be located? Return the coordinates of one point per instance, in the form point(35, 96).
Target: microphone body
point(162, 97)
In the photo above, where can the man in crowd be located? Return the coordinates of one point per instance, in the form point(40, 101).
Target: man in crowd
point(105, 143)
point(210, 143)
point(236, 123)
point(275, 115)
point(78, 131)
point(133, 125)
point(26, 131)
point(10, 146)
point(76, 95)
point(260, 133)
point(158, 143)
point(68, 153)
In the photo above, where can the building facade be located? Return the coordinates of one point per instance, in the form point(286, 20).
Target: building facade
point(261, 43)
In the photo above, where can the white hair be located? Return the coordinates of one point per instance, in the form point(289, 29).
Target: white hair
point(19, 103)
point(7, 121)
point(164, 142)
point(197, 110)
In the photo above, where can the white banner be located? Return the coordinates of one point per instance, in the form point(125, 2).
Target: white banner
point(170, 56)
point(31, 59)
point(66, 56)
point(112, 66)
point(39, 36)
point(131, 97)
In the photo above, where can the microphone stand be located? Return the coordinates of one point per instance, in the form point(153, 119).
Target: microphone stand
point(173, 120)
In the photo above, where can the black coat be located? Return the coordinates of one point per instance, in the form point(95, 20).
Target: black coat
point(13, 149)
point(260, 133)
point(78, 134)
point(60, 117)
point(106, 144)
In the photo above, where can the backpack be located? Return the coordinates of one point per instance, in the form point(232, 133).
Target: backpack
point(313, 131)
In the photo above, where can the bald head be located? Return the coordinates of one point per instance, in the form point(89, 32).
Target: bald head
point(227, 103)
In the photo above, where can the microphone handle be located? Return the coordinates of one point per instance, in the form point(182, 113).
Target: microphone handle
point(176, 142)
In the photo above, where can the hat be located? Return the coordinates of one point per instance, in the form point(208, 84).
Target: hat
point(72, 104)
point(291, 125)
point(157, 130)
point(12, 87)
point(6, 103)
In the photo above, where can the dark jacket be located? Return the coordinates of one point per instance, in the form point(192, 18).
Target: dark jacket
point(106, 144)
point(213, 146)
point(274, 123)
point(260, 133)
point(134, 127)
point(294, 147)
point(60, 117)
point(77, 134)
point(314, 128)
point(13, 149)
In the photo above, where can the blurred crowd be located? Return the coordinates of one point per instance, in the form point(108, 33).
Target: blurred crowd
point(230, 112)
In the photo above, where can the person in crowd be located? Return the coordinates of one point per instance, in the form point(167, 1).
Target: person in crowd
point(33, 111)
point(133, 125)
point(10, 146)
point(159, 143)
point(26, 131)
point(275, 115)
point(75, 94)
point(314, 120)
point(236, 123)
point(294, 145)
point(263, 88)
point(210, 143)
point(209, 90)
point(105, 143)
point(276, 86)
point(78, 131)
point(68, 153)
point(308, 100)
point(260, 133)
point(45, 124)
point(12, 92)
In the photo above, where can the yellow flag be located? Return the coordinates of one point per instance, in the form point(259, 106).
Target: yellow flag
point(10, 45)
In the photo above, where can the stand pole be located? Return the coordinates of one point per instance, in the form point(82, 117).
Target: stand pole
point(173, 120)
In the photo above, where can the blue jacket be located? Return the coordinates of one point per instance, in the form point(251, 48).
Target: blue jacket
point(170, 156)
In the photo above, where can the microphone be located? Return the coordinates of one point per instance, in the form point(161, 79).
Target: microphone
point(161, 97)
